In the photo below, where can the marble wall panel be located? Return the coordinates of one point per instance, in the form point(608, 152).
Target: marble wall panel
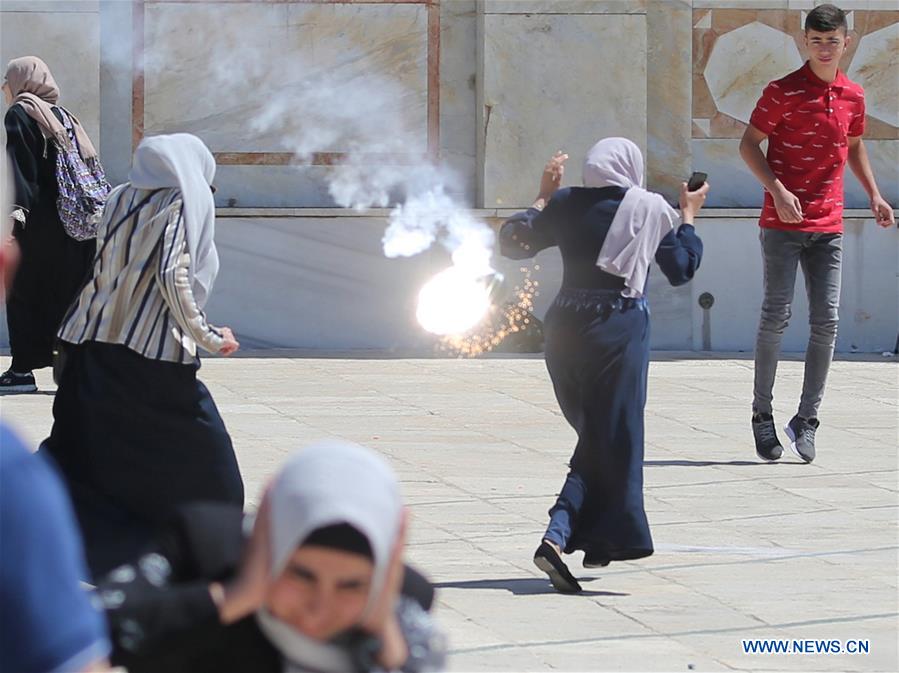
point(876, 68)
point(116, 88)
point(197, 79)
point(65, 6)
point(67, 37)
point(732, 272)
point(668, 160)
point(552, 82)
point(669, 30)
point(458, 94)
point(317, 283)
point(566, 6)
point(273, 187)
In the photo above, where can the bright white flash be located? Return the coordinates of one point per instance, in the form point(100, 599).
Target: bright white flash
point(453, 302)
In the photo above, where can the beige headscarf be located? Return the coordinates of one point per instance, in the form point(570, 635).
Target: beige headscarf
point(33, 87)
point(642, 220)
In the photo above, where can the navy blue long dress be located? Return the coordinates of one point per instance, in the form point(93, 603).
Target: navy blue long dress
point(597, 354)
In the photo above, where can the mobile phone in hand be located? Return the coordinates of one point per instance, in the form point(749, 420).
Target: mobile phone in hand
point(696, 181)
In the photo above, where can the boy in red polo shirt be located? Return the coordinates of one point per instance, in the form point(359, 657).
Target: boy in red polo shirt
point(813, 119)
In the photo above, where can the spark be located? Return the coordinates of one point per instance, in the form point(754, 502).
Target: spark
point(500, 321)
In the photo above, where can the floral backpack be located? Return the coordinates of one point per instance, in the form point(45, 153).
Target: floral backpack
point(82, 188)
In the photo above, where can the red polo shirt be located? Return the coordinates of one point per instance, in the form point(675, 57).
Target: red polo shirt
point(808, 123)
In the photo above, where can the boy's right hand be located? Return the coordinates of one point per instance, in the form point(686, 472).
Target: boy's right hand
point(789, 209)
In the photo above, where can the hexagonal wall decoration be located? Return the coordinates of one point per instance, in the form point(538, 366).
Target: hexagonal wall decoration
point(743, 61)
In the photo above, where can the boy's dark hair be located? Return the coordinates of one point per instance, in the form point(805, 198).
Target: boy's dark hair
point(826, 18)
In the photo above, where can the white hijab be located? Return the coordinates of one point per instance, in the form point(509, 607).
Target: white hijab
point(329, 483)
point(182, 161)
point(642, 220)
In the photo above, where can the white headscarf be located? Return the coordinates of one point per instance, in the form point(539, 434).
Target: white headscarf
point(642, 220)
point(326, 484)
point(182, 161)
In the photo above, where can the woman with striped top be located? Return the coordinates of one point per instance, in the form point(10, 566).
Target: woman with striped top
point(135, 432)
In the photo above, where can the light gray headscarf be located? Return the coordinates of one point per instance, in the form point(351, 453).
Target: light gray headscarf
point(181, 160)
point(642, 220)
point(325, 484)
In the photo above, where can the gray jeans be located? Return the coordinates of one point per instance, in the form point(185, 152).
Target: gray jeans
point(820, 256)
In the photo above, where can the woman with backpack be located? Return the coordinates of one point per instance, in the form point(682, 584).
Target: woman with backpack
point(135, 432)
point(42, 137)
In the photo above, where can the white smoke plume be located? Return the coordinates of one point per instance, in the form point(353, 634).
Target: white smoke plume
point(346, 105)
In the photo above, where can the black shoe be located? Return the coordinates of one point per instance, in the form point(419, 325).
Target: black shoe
point(595, 561)
point(801, 432)
point(548, 560)
point(767, 445)
point(11, 382)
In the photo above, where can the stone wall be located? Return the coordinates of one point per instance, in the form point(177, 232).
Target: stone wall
point(488, 88)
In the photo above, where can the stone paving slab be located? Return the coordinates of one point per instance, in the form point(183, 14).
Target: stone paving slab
point(743, 549)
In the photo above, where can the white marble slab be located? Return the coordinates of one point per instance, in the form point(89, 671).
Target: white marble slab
point(458, 96)
point(287, 76)
point(68, 41)
point(50, 6)
point(669, 102)
point(566, 6)
point(732, 272)
point(317, 283)
point(556, 82)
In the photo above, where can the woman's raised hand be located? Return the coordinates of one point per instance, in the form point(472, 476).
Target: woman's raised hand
point(552, 175)
point(691, 202)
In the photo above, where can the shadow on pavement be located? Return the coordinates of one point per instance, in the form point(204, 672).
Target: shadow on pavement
point(522, 586)
point(704, 463)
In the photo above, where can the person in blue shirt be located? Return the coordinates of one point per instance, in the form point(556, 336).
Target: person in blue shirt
point(47, 621)
point(597, 340)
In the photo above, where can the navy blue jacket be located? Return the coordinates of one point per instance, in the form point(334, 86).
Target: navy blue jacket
point(577, 220)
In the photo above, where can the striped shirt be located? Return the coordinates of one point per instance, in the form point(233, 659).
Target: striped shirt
point(140, 295)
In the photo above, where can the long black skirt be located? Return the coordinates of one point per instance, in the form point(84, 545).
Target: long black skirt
point(52, 270)
point(597, 354)
point(135, 438)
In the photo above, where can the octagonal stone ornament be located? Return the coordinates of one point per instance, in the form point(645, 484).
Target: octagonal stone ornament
point(742, 63)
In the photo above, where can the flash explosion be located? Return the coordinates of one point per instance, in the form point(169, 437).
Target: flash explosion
point(484, 325)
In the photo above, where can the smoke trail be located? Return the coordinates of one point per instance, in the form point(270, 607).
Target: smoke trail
point(306, 107)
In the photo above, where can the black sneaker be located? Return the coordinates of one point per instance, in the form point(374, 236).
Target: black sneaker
point(12, 382)
point(767, 445)
point(801, 432)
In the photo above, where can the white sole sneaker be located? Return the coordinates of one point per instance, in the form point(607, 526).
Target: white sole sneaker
point(792, 437)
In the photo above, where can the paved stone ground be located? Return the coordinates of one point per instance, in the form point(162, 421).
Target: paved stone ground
point(743, 549)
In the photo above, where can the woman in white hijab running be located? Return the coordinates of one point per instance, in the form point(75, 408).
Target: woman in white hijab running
point(320, 584)
point(135, 432)
point(597, 340)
